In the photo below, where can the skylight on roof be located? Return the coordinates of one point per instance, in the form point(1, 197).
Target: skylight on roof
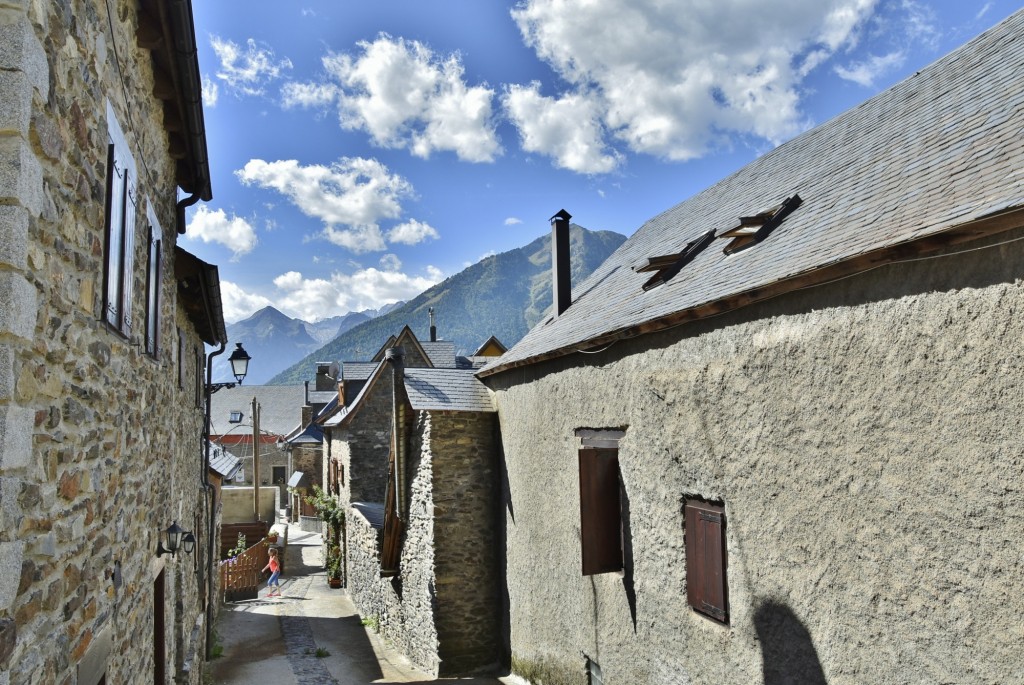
point(755, 228)
point(235, 417)
point(669, 265)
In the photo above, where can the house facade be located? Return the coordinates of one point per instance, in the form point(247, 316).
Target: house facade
point(101, 345)
point(775, 437)
point(414, 457)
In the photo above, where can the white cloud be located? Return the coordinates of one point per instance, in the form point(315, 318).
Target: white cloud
point(512, 221)
point(247, 71)
point(315, 298)
point(983, 11)
point(390, 262)
point(234, 233)
point(239, 304)
point(569, 128)
point(350, 197)
point(210, 92)
point(672, 79)
point(405, 96)
point(921, 24)
point(412, 232)
point(864, 73)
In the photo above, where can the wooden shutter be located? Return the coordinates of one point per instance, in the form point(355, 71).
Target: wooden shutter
point(705, 559)
point(153, 277)
point(600, 511)
point(116, 175)
point(391, 541)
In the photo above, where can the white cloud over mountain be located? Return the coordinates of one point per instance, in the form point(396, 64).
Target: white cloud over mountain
point(403, 95)
point(351, 196)
point(239, 304)
point(215, 226)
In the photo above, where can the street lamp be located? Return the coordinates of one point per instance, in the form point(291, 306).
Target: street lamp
point(239, 367)
point(175, 538)
point(239, 362)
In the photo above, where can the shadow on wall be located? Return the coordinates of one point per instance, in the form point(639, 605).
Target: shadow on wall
point(788, 656)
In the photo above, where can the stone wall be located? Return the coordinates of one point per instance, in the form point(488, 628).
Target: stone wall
point(99, 447)
point(441, 609)
point(864, 437)
point(363, 447)
point(465, 495)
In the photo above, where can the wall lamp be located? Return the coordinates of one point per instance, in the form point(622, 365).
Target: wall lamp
point(239, 367)
point(175, 538)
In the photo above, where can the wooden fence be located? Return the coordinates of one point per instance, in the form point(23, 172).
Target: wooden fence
point(240, 578)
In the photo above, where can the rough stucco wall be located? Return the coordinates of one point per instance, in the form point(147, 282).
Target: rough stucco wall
point(464, 486)
point(864, 437)
point(99, 448)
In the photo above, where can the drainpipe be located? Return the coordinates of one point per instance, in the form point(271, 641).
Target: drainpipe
point(181, 206)
point(211, 534)
point(394, 356)
point(561, 278)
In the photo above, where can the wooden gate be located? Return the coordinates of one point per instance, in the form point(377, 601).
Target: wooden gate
point(240, 578)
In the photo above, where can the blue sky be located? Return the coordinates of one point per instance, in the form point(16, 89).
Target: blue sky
point(362, 152)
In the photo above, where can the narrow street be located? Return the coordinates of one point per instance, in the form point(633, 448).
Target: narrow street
point(276, 640)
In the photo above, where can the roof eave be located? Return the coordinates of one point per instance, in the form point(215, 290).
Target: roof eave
point(982, 227)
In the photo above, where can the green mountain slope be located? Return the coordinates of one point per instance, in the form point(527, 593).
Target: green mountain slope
point(503, 295)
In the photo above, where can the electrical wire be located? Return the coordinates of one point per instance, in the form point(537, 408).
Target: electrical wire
point(814, 285)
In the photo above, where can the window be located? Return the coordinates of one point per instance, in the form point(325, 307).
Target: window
point(235, 417)
point(755, 228)
point(181, 360)
point(119, 230)
point(153, 278)
point(199, 377)
point(706, 588)
point(600, 510)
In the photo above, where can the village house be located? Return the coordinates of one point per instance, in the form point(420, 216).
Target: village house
point(412, 453)
point(776, 436)
point(102, 326)
point(289, 444)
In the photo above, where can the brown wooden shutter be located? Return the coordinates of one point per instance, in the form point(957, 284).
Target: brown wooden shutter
point(600, 511)
point(705, 559)
point(391, 541)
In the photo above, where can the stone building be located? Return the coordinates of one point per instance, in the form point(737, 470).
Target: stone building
point(775, 438)
point(102, 325)
point(413, 454)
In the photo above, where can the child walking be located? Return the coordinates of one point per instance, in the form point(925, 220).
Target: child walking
point(273, 585)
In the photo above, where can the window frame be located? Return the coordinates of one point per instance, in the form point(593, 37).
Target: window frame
point(121, 204)
point(707, 587)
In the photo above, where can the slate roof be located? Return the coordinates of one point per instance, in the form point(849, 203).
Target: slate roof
point(441, 353)
point(447, 390)
point(322, 396)
point(940, 149)
point(357, 371)
point(344, 412)
point(280, 408)
point(223, 462)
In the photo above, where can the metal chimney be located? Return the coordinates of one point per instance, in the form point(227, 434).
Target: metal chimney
point(433, 328)
point(561, 279)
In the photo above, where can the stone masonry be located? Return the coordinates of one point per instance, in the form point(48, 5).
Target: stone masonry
point(99, 446)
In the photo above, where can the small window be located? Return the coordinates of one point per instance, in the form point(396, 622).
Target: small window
point(706, 587)
point(119, 231)
point(181, 360)
point(600, 511)
point(755, 228)
point(235, 417)
point(199, 377)
point(153, 278)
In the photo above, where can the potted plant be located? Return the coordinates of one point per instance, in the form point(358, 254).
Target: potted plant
point(272, 537)
point(334, 566)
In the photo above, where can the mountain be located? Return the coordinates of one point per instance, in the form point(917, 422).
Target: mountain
point(503, 295)
point(275, 341)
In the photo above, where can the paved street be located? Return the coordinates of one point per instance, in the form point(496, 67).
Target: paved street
point(275, 640)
